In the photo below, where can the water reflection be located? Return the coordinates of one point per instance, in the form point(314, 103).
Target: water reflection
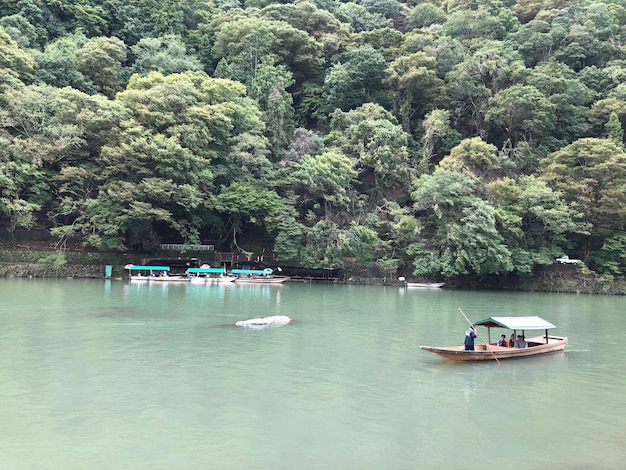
point(468, 389)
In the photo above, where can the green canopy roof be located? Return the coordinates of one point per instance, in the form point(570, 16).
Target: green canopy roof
point(206, 270)
point(252, 271)
point(516, 323)
point(149, 268)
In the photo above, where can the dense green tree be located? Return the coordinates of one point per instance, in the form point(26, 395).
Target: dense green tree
point(533, 220)
point(166, 55)
point(23, 188)
point(585, 35)
point(439, 137)
point(611, 258)
point(614, 129)
point(322, 181)
point(247, 203)
point(474, 81)
point(602, 80)
point(13, 60)
point(591, 174)
point(20, 30)
point(269, 89)
point(601, 112)
point(323, 245)
point(56, 65)
point(448, 52)
point(245, 42)
point(306, 16)
point(47, 132)
point(474, 157)
point(310, 108)
point(415, 87)
point(102, 60)
point(424, 15)
point(201, 113)
point(42, 122)
point(521, 113)
point(360, 19)
point(481, 23)
point(181, 135)
point(464, 237)
point(248, 160)
point(371, 136)
point(569, 95)
point(42, 16)
point(362, 247)
point(304, 142)
point(533, 41)
point(355, 79)
point(387, 41)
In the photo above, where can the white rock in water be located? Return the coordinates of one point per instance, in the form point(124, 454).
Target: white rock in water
point(277, 320)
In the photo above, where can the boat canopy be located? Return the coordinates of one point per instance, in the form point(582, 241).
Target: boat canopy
point(253, 271)
point(206, 270)
point(516, 323)
point(149, 268)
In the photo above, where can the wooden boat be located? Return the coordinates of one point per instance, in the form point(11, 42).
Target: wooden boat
point(537, 345)
point(208, 275)
point(152, 274)
point(425, 285)
point(257, 276)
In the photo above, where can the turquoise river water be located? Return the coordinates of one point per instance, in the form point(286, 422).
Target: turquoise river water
point(110, 375)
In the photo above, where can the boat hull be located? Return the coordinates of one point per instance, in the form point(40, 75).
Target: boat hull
point(261, 280)
point(169, 279)
point(425, 285)
point(212, 280)
point(537, 346)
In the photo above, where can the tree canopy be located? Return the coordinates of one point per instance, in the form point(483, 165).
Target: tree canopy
point(456, 138)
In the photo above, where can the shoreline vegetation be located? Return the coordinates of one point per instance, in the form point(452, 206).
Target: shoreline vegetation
point(27, 262)
point(468, 142)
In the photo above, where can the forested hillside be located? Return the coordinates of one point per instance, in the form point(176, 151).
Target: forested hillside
point(435, 138)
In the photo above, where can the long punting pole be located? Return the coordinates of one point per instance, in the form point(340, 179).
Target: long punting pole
point(481, 338)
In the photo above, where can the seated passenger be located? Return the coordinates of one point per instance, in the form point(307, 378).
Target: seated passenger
point(502, 341)
point(511, 342)
point(521, 342)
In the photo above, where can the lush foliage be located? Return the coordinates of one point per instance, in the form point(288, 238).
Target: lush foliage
point(428, 138)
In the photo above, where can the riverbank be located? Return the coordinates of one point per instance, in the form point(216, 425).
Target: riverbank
point(56, 264)
point(39, 263)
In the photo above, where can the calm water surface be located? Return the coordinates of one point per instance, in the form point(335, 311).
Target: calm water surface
point(111, 375)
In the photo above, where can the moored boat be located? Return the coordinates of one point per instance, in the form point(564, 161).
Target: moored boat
point(145, 273)
point(425, 285)
point(153, 274)
point(257, 276)
point(533, 346)
point(205, 275)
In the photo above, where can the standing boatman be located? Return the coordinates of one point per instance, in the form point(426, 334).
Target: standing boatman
point(470, 334)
